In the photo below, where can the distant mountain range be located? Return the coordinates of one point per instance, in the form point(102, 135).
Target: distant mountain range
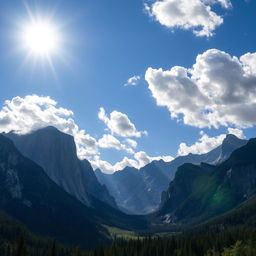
point(140, 191)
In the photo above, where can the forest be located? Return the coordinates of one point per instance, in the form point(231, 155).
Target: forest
point(237, 242)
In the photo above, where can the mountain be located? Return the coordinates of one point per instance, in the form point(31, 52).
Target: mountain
point(135, 190)
point(215, 156)
point(56, 153)
point(243, 216)
point(140, 191)
point(197, 194)
point(30, 196)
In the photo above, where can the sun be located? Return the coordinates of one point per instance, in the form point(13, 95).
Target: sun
point(40, 38)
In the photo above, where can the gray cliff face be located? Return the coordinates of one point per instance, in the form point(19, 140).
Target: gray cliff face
point(141, 191)
point(30, 196)
point(56, 153)
point(9, 181)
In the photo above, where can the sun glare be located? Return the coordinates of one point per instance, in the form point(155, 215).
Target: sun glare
point(40, 38)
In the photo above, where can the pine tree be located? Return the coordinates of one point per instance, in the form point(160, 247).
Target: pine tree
point(77, 252)
point(53, 251)
point(101, 251)
point(21, 249)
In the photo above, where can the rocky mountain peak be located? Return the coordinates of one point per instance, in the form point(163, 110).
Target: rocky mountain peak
point(55, 151)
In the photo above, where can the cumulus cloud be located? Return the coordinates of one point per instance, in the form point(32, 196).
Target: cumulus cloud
point(140, 159)
point(133, 81)
point(223, 3)
point(107, 167)
point(23, 115)
point(219, 90)
point(249, 61)
point(143, 159)
point(132, 143)
point(206, 143)
point(119, 124)
point(237, 132)
point(109, 141)
point(195, 15)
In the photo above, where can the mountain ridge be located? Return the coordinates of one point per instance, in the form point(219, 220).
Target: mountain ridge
point(228, 185)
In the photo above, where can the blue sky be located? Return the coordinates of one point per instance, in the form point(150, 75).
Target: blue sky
point(104, 43)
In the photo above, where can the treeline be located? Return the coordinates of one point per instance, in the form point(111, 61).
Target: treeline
point(220, 239)
point(16, 240)
point(239, 242)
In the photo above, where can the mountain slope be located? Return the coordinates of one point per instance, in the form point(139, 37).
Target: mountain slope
point(136, 191)
point(56, 153)
point(214, 193)
point(27, 194)
point(140, 191)
point(215, 156)
point(243, 216)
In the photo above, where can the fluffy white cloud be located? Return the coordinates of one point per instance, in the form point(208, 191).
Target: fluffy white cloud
point(107, 167)
point(206, 143)
point(224, 3)
point(143, 159)
point(109, 141)
point(119, 124)
point(132, 143)
point(218, 90)
point(140, 159)
point(203, 145)
point(249, 61)
point(237, 132)
point(196, 15)
point(23, 115)
point(133, 81)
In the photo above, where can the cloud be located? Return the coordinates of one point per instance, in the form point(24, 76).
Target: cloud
point(23, 115)
point(206, 143)
point(219, 90)
point(224, 3)
point(237, 132)
point(249, 61)
point(109, 141)
point(140, 159)
point(132, 143)
point(119, 124)
point(143, 159)
point(195, 15)
point(107, 167)
point(133, 81)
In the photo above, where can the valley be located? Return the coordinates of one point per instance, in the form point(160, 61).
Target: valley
point(38, 191)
